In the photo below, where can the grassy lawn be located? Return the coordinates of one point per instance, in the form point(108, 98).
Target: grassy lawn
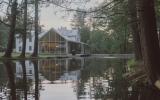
point(40, 56)
point(14, 54)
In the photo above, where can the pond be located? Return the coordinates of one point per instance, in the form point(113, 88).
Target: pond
point(66, 79)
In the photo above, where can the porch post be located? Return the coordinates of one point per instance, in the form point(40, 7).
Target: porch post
point(67, 48)
point(82, 49)
point(39, 47)
point(67, 62)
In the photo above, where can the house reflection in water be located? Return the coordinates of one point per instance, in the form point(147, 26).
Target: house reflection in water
point(3, 82)
point(54, 75)
point(60, 69)
point(29, 70)
point(52, 69)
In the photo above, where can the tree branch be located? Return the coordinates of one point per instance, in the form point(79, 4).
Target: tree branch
point(5, 23)
point(89, 11)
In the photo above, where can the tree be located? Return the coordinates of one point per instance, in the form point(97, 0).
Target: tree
point(113, 21)
point(85, 34)
point(12, 29)
point(157, 7)
point(134, 29)
point(3, 35)
point(0, 40)
point(24, 29)
point(149, 38)
point(79, 23)
point(35, 52)
point(97, 42)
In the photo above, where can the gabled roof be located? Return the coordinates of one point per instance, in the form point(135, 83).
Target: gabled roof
point(68, 35)
point(71, 35)
point(42, 34)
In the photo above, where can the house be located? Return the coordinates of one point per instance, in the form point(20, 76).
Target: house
point(60, 41)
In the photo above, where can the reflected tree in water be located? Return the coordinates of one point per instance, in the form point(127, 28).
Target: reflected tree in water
point(3, 77)
point(105, 80)
point(140, 91)
point(24, 79)
point(118, 84)
point(35, 63)
point(99, 79)
point(24, 84)
point(9, 68)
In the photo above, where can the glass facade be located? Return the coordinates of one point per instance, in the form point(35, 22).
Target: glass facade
point(52, 42)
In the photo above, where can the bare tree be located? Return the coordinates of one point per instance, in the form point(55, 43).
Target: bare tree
point(35, 52)
point(134, 28)
point(24, 30)
point(12, 30)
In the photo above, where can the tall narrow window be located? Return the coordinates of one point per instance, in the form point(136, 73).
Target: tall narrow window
point(30, 48)
point(30, 38)
point(30, 63)
point(20, 48)
point(30, 71)
point(20, 40)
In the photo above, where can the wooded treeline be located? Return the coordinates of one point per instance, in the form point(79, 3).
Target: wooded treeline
point(126, 26)
point(16, 19)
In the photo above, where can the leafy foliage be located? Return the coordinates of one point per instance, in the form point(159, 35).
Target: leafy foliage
point(114, 23)
point(110, 32)
point(3, 35)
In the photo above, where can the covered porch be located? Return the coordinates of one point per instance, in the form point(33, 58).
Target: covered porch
point(62, 47)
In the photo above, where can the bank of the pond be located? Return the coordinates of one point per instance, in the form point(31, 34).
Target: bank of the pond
point(135, 72)
point(136, 75)
point(15, 56)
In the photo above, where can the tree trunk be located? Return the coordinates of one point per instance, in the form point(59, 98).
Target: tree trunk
point(159, 34)
point(0, 39)
point(134, 28)
point(149, 38)
point(35, 52)
point(25, 30)
point(12, 30)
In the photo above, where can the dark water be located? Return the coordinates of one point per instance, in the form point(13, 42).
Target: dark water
point(69, 79)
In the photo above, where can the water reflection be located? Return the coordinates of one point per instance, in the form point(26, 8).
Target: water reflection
point(69, 79)
point(35, 63)
point(11, 90)
point(102, 79)
point(22, 82)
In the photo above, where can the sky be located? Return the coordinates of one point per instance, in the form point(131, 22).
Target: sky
point(54, 16)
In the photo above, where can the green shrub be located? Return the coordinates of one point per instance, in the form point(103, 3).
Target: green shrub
point(131, 63)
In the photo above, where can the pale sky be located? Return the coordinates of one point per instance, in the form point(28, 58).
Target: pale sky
point(56, 16)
